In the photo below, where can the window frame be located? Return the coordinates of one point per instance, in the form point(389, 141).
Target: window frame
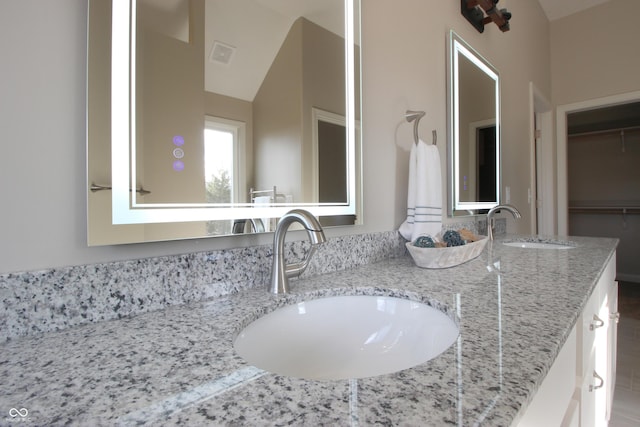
point(238, 130)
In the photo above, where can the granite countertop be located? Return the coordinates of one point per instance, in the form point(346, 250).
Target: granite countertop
point(515, 308)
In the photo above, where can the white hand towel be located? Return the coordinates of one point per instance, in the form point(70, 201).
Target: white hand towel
point(264, 200)
point(424, 197)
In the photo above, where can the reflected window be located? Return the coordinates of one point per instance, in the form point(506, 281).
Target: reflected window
point(222, 145)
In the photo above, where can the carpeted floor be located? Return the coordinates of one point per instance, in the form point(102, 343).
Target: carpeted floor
point(629, 299)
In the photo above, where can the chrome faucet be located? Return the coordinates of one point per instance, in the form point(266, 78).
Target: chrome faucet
point(496, 209)
point(255, 225)
point(280, 272)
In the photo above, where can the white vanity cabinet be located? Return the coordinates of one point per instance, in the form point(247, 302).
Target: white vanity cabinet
point(578, 389)
point(596, 371)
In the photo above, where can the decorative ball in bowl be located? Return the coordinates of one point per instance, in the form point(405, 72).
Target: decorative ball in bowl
point(447, 251)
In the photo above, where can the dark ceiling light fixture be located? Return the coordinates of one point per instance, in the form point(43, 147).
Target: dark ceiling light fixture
point(482, 12)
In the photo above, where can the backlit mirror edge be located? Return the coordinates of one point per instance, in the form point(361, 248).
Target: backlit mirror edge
point(456, 208)
point(124, 210)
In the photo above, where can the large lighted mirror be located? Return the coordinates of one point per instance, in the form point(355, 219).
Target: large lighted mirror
point(216, 117)
point(474, 130)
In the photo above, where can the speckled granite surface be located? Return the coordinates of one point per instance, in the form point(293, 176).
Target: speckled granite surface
point(177, 365)
point(55, 299)
point(52, 300)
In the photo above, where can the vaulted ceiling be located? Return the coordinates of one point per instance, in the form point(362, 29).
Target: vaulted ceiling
point(252, 31)
point(556, 9)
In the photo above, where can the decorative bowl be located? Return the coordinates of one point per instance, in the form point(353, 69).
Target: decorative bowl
point(446, 257)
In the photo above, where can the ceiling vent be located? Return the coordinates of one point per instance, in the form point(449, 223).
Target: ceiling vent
point(221, 53)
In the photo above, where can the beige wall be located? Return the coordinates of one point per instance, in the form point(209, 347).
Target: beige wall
point(170, 102)
point(595, 53)
point(42, 117)
point(277, 118)
point(324, 88)
point(308, 72)
point(618, 182)
point(405, 69)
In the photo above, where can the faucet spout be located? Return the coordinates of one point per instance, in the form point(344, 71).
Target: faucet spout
point(490, 221)
point(280, 272)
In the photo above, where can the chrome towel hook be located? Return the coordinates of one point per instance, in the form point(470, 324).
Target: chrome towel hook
point(415, 116)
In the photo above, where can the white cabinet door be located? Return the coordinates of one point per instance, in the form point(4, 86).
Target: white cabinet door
point(587, 394)
point(598, 351)
point(600, 376)
point(587, 327)
point(612, 345)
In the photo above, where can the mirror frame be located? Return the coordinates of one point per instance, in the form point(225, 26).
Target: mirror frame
point(126, 210)
point(457, 46)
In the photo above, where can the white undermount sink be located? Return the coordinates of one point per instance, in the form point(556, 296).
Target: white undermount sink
point(539, 244)
point(344, 337)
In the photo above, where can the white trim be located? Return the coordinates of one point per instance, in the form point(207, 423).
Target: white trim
point(561, 137)
point(543, 220)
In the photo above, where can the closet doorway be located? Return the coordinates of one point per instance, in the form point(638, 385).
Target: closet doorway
point(603, 178)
